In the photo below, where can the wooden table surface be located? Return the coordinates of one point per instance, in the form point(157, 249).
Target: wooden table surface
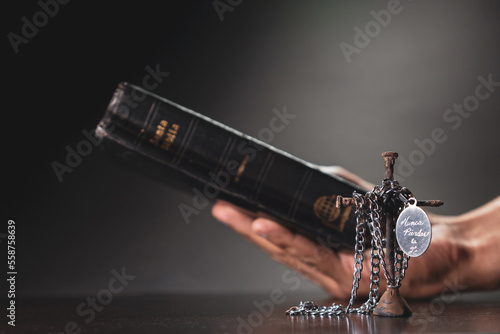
point(245, 314)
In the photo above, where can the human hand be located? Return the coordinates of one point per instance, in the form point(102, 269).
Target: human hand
point(441, 267)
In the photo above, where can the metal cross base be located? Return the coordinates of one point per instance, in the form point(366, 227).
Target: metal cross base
point(391, 304)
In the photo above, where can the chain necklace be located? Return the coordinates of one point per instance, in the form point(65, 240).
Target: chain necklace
point(368, 211)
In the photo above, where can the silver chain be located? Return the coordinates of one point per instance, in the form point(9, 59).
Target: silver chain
point(359, 253)
point(368, 213)
point(400, 264)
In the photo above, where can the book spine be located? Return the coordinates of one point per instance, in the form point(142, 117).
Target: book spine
point(230, 165)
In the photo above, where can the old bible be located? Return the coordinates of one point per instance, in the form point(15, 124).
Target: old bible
point(161, 138)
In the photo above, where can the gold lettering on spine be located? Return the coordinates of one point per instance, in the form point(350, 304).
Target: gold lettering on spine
point(161, 131)
point(241, 168)
point(169, 139)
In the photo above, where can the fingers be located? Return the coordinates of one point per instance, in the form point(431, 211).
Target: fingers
point(240, 220)
point(275, 239)
point(292, 243)
point(306, 257)
point(269, 234)
point(331, 270)
point(233, 216)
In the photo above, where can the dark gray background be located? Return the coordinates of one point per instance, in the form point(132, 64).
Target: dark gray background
point(264, 55)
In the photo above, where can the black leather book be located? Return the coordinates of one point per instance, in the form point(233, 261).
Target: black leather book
point(164, 139)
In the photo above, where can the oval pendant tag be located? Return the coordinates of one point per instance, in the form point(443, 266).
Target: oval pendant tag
point(413, 230)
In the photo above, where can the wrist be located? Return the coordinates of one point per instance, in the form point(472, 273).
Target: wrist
point(476, 237)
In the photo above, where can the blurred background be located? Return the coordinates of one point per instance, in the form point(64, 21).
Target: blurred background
point(354, 97)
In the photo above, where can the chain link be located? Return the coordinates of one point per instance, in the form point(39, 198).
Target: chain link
point(400, 264)
point(368, 214)
point(359, 257)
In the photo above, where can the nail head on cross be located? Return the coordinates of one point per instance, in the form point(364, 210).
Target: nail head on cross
point(389, 158)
